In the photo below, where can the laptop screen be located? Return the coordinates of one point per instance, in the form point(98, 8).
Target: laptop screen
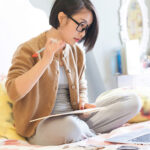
point(143, 138)
point(140, 136)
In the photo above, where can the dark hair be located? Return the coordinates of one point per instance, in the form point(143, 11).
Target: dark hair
point(71, 7)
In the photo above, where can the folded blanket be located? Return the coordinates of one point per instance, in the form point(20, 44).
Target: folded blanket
point(89, 144)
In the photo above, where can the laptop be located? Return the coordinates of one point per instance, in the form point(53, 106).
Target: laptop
point(141, 136)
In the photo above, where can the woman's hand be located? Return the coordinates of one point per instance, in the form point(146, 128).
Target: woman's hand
point(52, 47)
point(83, 105)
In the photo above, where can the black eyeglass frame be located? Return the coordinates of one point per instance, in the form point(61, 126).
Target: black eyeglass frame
point(83, 29)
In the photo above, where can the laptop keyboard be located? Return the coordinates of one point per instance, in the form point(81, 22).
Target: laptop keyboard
point(144, 138)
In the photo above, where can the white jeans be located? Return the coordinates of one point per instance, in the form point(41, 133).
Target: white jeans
point(117, 109)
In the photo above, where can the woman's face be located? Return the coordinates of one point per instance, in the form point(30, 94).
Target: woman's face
point(69, 33)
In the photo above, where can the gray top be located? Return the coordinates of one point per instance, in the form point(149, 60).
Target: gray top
point(62, 103)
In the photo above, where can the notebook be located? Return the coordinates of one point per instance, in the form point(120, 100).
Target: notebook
point(76, 112)
point(141, 136)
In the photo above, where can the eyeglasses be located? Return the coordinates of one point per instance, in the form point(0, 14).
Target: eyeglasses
point(82, 26)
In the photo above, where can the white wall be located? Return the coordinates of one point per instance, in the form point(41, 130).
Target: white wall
point(109, 38)
point(147, 2)
point(19, 21)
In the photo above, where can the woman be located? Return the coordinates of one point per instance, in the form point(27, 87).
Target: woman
point(54, 81)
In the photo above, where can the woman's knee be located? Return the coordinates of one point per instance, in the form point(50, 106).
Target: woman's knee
point(126, 98)
point(114, 96)
point(68, 130)
point(60, 131)
point(135, 103)
point(130, 102)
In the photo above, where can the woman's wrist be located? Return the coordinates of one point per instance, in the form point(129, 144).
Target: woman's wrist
point(46, 61)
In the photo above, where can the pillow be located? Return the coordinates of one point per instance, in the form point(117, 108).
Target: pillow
point(143, 115)
point(7, 129)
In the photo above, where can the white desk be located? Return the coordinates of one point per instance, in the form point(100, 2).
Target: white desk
point(140, 80)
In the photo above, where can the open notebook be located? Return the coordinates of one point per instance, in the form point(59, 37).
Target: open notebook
point(141, 136)
point(76, 112)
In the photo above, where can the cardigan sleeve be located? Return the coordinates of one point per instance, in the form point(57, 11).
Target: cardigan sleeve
point(21, 63)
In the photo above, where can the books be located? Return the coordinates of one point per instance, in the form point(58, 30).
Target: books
point(75, 112)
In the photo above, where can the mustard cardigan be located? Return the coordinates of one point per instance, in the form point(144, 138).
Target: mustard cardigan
point(40, 100)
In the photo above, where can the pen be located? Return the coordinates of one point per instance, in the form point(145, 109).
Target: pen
point(36, 54)
point(42, 49)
